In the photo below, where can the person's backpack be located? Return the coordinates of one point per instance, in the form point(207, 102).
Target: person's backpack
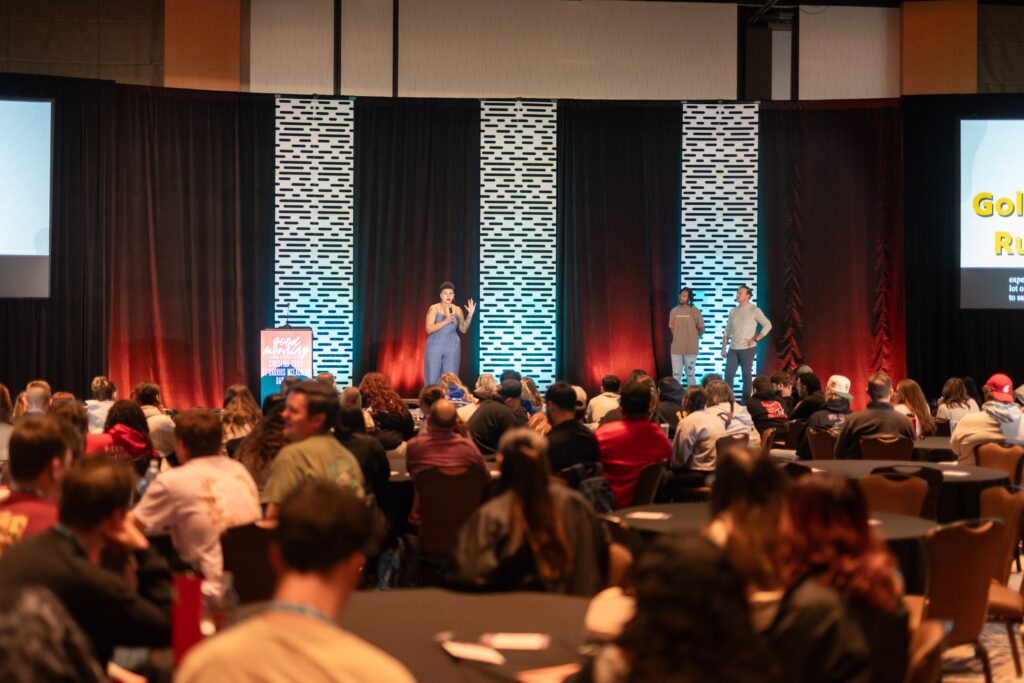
point(595, 488)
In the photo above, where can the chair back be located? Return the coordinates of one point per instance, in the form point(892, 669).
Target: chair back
point(246, 555)
point(794, 429)
point(767, 439)
point(1001, 457)
point(795, 470)
point(822, 443)
point(649, 482)
point(958, 587)
point(931, 476)
point(942, 427)
point(998, 503)
point(448, 496)
point(886, 447)
point(897, 493)
point(724, 443)
point(616, 527)
point(924, 655)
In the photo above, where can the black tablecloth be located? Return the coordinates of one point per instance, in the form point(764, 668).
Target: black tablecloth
point(905, 535)
point(959, 496)
point(933, 449)
point(404, 622)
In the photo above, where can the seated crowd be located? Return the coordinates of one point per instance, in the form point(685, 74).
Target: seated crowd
point(788, 581)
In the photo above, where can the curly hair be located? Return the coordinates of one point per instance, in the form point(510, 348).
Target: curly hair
point(378, 395)
point(824, 532)
point(692, 620)
point(127, 412)
point(261, 446)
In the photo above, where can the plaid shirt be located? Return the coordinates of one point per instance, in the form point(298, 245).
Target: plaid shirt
point(437, 448)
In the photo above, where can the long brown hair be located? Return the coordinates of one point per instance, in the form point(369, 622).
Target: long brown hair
point(912, 396)
point(240, 408)
point(379, 397)
point(260, 447)
point(824, 532)
point(526, 473)
point(954, 393)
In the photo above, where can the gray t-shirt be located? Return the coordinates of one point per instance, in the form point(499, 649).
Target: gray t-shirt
point(742, 326)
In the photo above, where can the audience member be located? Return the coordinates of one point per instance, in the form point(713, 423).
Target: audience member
point(125, 435)
point(708, 379)
point(327, 379)
point(972, 390)
point(239, 413)
point(62, 396)
point(765, 406)
point(259, 449)
point(670, 404)
point(351, 397)
point(695, 444)
point(909, 400)
point(536, 535)
point(20, 406)
point(37, 397)
point(322, 539)
point(350, 431)
point(626, 446)
point(531, 400)
point(442, 448)
point(998, 421)
point(606, 401)
point(831, 417)
point(288, 382)
point(200, 500)
point(161, 426)
point(39, 458)
point(94, 515)
point(782, 385)
point(642, 378)
point(581, 401)
point(511, 374)
point(955, 404)
point(6, 428)
point(878, 418)
point(842, 616)
point(746, 499)
point(808, 387)
point(569, 442)
point(311, 410)
point(428, 396)
point(75, 422)
point(495, 415)
point(691, 622)
point(693, 401)
point(394, 422)
point(454, 390)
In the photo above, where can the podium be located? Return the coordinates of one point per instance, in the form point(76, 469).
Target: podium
point(284, 352)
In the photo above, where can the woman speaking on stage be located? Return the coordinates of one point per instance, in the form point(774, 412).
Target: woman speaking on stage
point(444, 322)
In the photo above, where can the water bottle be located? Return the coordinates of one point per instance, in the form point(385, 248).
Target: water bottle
point(151, 473)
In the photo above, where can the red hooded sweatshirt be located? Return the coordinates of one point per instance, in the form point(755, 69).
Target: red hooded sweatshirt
point(121, 443)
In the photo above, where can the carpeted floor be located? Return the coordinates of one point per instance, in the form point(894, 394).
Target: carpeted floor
point(960, 665)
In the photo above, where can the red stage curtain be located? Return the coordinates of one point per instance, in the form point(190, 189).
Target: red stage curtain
point(618, 237)
point(188, 206)
point(417, 225)
point(831, 234)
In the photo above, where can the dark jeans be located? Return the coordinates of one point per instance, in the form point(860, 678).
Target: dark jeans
point(745, 359)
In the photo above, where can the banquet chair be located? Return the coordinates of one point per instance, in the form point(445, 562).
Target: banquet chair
point(1005, 604)
point(620, 557)
point(957, 590)
point(448, 496)
point(942, 427)
point(767, 439)
point(1003, 457)
point(724, 443)
point(822, 443)
point(246, 555)
point(901, 494)
point(931, 476)
point(649, 483)
point(886, 447)
point(794, 429)
point(924, 655)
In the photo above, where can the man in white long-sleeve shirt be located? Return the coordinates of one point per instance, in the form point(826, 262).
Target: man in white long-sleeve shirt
point(742, 330)
point(694, 446)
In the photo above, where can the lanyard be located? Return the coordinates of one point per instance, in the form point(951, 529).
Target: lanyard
point(302, 610)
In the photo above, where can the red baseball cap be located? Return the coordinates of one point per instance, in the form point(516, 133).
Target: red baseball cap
point(1001, 387)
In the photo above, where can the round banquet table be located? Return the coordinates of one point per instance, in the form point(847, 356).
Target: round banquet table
point(905, 535)
point(933, 449)
point(404, 624)
point(959, 495)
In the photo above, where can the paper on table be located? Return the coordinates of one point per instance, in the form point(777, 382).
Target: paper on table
point(875, 522)
point(394, 472)
point(473, 652)
point(516, 641)
point(954, 473)
point(495, 474)
point(948, 463)
point(643, 514)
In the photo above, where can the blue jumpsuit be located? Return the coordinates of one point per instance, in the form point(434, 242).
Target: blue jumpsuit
point(444, 351)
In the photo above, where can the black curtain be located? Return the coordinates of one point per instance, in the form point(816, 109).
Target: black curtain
point(188, 202)
point(942, 340)
point(417, 225)
point(619, 197)
point(830, 233)
point(62, 339)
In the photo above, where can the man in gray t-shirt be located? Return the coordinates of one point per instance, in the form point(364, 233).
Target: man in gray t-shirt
point(687, 327)
point(742, 330)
